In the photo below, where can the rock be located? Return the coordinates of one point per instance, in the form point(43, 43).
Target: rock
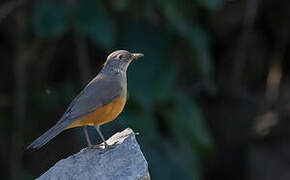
point(125, 162)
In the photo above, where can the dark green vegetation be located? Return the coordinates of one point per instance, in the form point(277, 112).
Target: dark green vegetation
point(205, 99)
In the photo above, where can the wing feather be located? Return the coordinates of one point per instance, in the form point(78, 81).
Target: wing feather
point(99, 92)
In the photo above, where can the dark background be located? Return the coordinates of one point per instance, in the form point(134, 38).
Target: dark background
point(210, 99)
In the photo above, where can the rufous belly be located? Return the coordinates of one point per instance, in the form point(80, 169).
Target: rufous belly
point(102, 114)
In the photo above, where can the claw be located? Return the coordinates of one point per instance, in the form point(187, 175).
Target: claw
point(112, 146)
point(103, 146)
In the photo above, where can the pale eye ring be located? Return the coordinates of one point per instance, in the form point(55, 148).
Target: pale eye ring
point(121, 57)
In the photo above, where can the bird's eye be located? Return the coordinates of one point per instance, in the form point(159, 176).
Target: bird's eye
point(121, 57)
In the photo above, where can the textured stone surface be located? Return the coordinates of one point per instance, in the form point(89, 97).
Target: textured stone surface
point(125, 161)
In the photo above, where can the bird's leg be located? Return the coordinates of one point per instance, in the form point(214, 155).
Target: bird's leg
point(87, 137)
point(97, 126)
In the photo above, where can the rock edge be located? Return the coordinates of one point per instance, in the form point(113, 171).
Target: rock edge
point(126, 161)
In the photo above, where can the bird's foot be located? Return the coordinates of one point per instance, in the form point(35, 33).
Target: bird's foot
point(103, 146)
point(111, 146)
point(97, 146)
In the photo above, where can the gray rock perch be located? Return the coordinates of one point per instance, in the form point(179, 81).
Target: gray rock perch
point(125, 162)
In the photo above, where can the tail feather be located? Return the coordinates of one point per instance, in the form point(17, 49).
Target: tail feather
point(47, 136)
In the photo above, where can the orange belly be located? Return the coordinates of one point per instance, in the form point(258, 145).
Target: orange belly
point(102, 114)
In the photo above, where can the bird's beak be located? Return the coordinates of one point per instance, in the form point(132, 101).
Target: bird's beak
point(137, 55)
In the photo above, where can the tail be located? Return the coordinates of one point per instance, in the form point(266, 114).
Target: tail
point(47, 136)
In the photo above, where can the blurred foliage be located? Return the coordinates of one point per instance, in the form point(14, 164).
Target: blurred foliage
point(92, 20)
point(212, 5)
point(198, 42)
point(46, 23)
point(156, 72)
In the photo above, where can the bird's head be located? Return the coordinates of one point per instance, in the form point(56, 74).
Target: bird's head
point(121, 59)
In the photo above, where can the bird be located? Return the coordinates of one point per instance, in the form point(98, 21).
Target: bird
point(100, 101)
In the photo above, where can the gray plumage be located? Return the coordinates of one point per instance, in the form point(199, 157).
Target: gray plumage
point(104, 88)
